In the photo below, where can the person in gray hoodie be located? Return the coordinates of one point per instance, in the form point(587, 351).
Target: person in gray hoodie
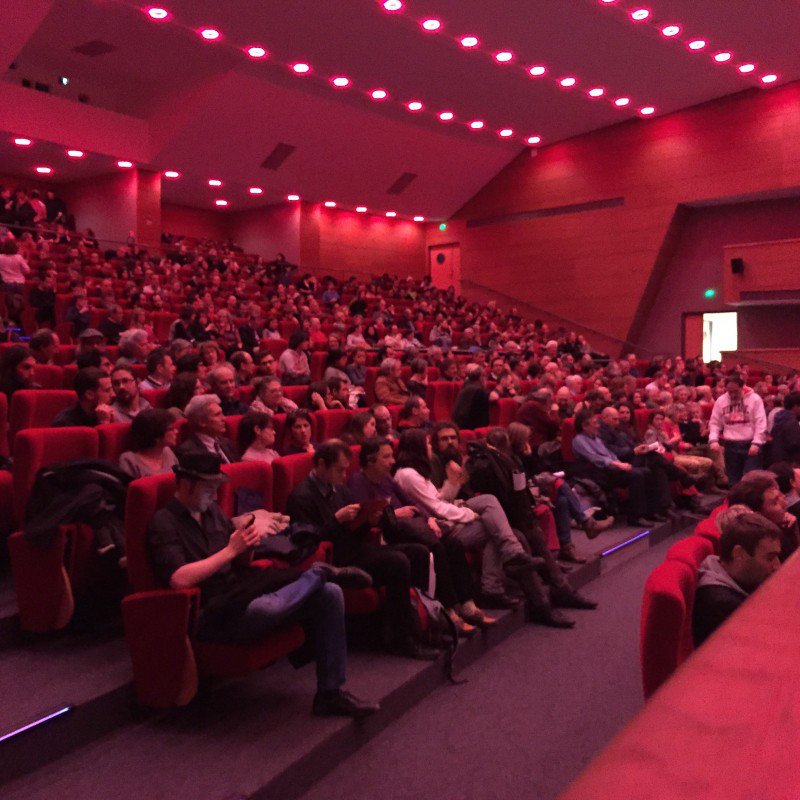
point(749, 548)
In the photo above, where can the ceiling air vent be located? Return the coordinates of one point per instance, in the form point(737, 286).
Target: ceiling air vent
point(95, 48)
point(275, 159)
point(402, 183)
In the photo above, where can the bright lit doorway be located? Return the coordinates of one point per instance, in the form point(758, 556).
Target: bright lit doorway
point(719, 333)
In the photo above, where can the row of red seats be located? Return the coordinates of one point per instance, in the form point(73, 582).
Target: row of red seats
point(666, 623)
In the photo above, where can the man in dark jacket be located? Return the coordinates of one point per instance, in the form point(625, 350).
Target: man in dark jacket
point(786, 431)
point(323, 500)
point(471, 410)
point(207, 429)
point(750, 548)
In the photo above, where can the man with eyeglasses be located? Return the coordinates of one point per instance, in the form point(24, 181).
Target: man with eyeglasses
point(266, 366)
point(127, 401)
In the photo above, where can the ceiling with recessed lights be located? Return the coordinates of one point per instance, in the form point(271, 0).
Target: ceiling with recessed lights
point(394, 105)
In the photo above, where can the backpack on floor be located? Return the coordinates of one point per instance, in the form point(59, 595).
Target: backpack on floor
point(432, 626)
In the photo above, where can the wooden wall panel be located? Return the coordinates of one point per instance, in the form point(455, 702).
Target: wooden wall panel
point(768, 266)
point(594, 266)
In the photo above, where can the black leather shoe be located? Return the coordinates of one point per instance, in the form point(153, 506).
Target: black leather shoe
point(346, 577)
point(568, 598)
point(414, 649)
point(342, 704)
point(550, 618)
point(522, 562)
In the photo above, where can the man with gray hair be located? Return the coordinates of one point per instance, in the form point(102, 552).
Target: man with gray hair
point(207, 429)
point(134, 345)
point(389, 387)
point(471, 409)
point(222, 382)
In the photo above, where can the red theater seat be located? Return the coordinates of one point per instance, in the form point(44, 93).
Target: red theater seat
point(691, 550)
point(287, 472)
point(253, 475)
point(48, 376)
point(331, 423)
point(640, 420)
point(666, 625)
point(159, 623)
point(155, 397)
point(707, 529)
point(114, 440)
point(4, 446)
point(567, 435)
point(503, 412)
point(36, 408)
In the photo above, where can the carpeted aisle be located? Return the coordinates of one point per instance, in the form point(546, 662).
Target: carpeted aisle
point(534, 711)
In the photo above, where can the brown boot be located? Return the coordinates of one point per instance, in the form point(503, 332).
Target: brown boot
point(594, 527)
point(570, 554)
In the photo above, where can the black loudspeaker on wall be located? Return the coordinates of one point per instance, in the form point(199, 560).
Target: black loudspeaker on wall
point(737, 266)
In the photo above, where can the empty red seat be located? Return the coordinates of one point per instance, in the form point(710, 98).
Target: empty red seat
point(113, 439)
point(156, 397)
point(4, 445)
point(317, 361)
point(441, 397)
point(641, 418)
point(331, 423)
point(297, 394)
point(287, 472)
point(691, 550)
point(567, 435)
point(36, 408)
point(503, 412)
point(49, 376)
point(707, 529)
point(255, 476)
point(666, 624)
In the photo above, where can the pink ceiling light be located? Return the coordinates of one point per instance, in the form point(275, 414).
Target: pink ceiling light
point(505, 133)
point(361, 209)
point(255, 190)
point(172, 174)
point(469, 41)
point(21, 141)
point(210, 34)
point(431, 25)
point(598, 91)
point(221, 203)
point(214, 182)
point(124, 164)
point(504, 56)
point(44, 170)
point(697, 44)
point(537, 71)
point(640, 14)
point(746, 68)
point(256, 52)
point(340, 82)
point(75, 153)
point(771, 78)
point(301, 68)
point(158, 14)
point(621, 102)
point(419, 218)
point(414, 105)
point(534, 139)
point(722, 57)
point(393, 5)
point(446, 116)
point(670, 30)
point(330, 204)
point(379, 94)
point(477, 124)
point(293, 198)
point(568, 82)
point(647, 111)
point(391, 214)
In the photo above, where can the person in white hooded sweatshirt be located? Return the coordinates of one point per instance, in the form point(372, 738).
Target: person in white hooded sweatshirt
point(738, 425)
point(749, 552)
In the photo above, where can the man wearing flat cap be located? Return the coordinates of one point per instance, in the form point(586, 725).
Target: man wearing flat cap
point(193, 543)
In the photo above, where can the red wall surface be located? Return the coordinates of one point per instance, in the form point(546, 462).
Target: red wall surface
point(196, 222)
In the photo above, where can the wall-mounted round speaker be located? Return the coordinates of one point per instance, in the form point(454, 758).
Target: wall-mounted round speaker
point(440, 259)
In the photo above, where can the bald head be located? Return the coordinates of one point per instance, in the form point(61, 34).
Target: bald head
point(610, 416)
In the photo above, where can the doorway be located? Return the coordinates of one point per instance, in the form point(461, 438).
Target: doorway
point(444, 263)
point(720, 332)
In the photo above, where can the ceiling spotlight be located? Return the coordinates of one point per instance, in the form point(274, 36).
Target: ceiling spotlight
point(505, 133)
point(210, 34)
point(697, 44)
point(330, 204)
point(431, 25)
point(340, 82)
point(393, 5)
point(63, 80)
point(647, 111)
point(21, 141)
point(608, 2)
point(220, 202)
point(292, 198)
point(256, 52)
point(214, 182)
point(44, 170)
point(534, 139)
point(379, 94)
point(537, 71)
point(124, 164)
point(469, 41)
point(621, 102)
point(255, 190)
point(391, 214)
point(476, 125)
point(568, 82)
point(300, 68)
point(771, 78)
point(745, 68)
point(171, 173)
point(157, 13)
point(414, 105)
point(722, 57)
point(419, 219)
point(640, 14)
point(598, 91)
point(75, 153)
point(504, 56)
point(670, 30)
point(361, 209)
point(446, 116)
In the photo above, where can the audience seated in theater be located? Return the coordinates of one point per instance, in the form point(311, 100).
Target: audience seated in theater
point(112, 327)
point(534, 413)
point(663, 431)
point(193, 543)
point(44, 345)
point(360, 426)
point(293, 366)
point(244, 367)
point(788, 477)
point(160, 370)
point(785, 445)
point(759, 491)
point(471, 408)
point(567, 507)
point(17, 366)
point(322, 500)
point(383, 422)
point(448, 370)
point(13, 271)
point(494, 469)
point(183, 387)
point(206, 425)
point(414, 414)
point(153, 438)
point(210, 354)
point(454, 586)
point(266, 365)
point(749, 552)
point(389, 386)
point(257, 437)
point(739, 425)
point(356, 368)
point(128, 404)
point(134, 345)
point(335, 366)
point(478, 523)
point(563, 406)
point(269, 398)
point(95, 395)
point(42, 297)
point(297, 438)
point(222, 382)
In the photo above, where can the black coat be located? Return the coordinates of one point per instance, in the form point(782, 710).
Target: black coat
point(193, 445)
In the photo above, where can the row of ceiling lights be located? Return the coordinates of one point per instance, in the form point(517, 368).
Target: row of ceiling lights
point(214, 183)
point(378, 94)
point(640, 15)
point(506, 57)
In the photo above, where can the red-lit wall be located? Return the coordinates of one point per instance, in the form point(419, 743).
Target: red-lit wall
point(604, 267)
point(268, 231)
point(197, 222)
